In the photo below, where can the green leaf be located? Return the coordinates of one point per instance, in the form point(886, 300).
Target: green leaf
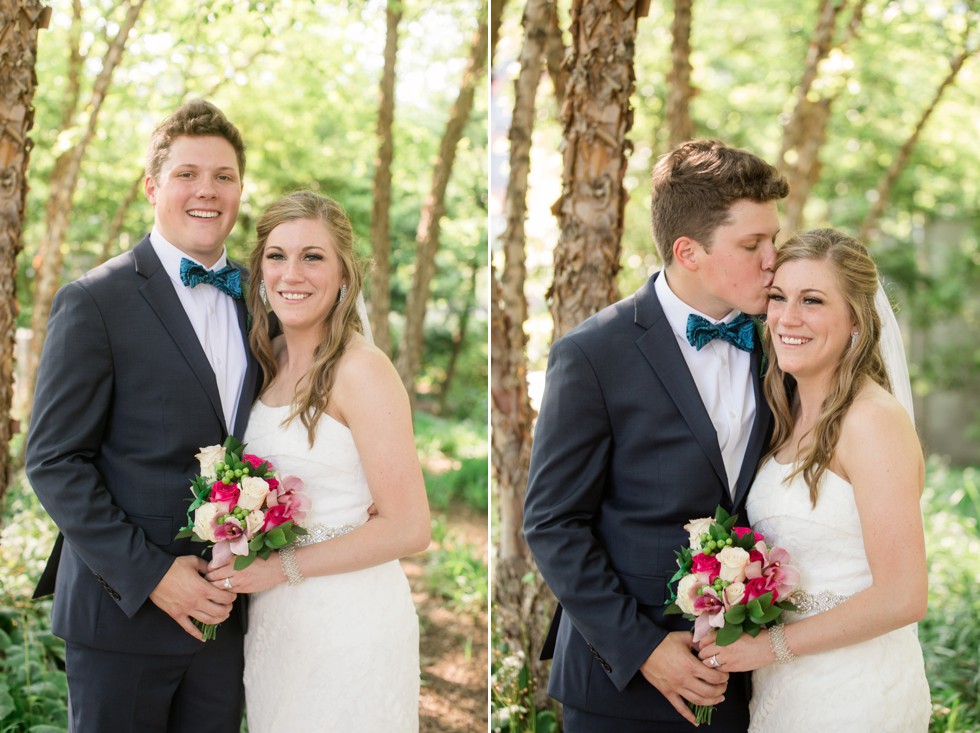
point(275, 538)
point(673, 610)
point(257, 542)
point(243, 561)
point(185, 532)
point(736, 615)
point(728, 634)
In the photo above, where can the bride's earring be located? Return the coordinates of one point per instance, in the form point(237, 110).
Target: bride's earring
point(263, 295)
point(343, 294)
point(854, 338)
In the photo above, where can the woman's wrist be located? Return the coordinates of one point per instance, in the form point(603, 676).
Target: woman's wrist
point(289, 566)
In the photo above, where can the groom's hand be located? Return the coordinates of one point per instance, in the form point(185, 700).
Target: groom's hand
point(679, 675)
point(183, 594)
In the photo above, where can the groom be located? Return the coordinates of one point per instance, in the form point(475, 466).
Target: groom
point(653, 415)
point(139, 371)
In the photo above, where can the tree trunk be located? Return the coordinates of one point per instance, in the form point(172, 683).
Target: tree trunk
point(596, 116)
point(427, 234)
point(806, 131)
point(110, 245)
point(679, 89)
point(555, 54)
point(18, 57)
point(380, 293)
point(496, 18)
point(883, 190)
point(64, 180)
point(512, 415)
point(459, 340)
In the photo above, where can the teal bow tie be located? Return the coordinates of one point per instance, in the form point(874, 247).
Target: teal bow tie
point(228, 280)
point(740, 333)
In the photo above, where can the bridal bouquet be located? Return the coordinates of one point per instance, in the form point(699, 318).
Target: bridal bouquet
point(242, 508)
point(730, 580)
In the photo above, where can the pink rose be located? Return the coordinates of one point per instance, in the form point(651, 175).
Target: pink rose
point(274, 516)
point(740, 532)
point(707, 566)
point(254, 461)
point(756, 587)
point(222, 493)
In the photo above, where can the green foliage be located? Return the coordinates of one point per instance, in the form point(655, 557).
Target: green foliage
point(512, 688)
point(454, 461)
point(456, 572)
point(300, 83)
point(950, 632)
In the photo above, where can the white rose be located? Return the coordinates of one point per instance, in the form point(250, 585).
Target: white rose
point(254, 491)
point(696, 528)
point(204, 517)
point(734, 593)
point(209, 458)
point(733, 561)
point(685, 593)
point(253, 523)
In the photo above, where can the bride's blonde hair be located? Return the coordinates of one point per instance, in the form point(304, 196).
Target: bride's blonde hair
point(341, 322)
point(860, 360)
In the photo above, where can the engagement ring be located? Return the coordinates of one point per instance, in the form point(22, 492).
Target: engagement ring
point(228, 586)
point(714, 661)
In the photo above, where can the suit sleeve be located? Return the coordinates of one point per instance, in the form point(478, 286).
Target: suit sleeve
point(571, 451)
point(72, 403)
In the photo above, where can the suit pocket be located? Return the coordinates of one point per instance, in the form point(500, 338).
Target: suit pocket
point(648, 590)
point(158, 530)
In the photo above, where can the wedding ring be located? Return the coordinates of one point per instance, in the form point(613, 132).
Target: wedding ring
point(228, 586)
point(714, 661)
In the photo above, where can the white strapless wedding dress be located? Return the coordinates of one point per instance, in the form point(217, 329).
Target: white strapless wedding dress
point(337, 653)
point(878, 685)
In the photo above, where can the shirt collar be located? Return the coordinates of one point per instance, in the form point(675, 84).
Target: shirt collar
point(170, 256)
point(677, 311)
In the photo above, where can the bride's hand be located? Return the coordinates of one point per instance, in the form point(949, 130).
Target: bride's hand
point(260, 575)
point(744, 655)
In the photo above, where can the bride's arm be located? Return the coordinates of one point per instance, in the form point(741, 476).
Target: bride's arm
point(369, 397)
point(881, 457)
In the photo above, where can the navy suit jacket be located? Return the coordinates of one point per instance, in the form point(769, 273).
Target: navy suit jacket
point(624, 455)
point(125, 398)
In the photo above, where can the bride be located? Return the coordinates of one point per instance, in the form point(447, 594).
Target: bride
point(839, 489)
point(332, 642)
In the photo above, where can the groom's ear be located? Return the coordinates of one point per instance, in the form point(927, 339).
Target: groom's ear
point(685, 252)
point(150, 189)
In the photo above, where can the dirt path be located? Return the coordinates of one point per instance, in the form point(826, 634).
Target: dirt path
point(453, 647)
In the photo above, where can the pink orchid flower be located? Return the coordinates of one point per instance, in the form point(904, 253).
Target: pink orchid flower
point(710, 613)
point(231, 541)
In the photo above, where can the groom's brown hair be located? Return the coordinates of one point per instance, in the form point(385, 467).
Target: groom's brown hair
point(695, 185)
point(196, 118)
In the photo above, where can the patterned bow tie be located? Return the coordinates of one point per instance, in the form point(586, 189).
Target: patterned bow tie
point(228, 280)
point(740, 333)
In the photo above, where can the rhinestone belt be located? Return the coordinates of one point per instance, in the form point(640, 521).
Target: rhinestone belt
point(816, 602)
point(321, 533)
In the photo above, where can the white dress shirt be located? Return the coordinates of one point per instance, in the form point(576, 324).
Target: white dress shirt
point(723, 376)
point(214, 316)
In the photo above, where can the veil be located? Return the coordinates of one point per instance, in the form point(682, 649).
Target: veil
point(366, 323)
point(893, 352)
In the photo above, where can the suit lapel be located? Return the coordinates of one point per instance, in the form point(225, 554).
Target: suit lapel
point(251, 365)
point(158, 290)
point(659, 347)
point(759, 437)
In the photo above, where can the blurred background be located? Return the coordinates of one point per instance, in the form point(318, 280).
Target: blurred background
point(872, 111)
point(379, 105)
